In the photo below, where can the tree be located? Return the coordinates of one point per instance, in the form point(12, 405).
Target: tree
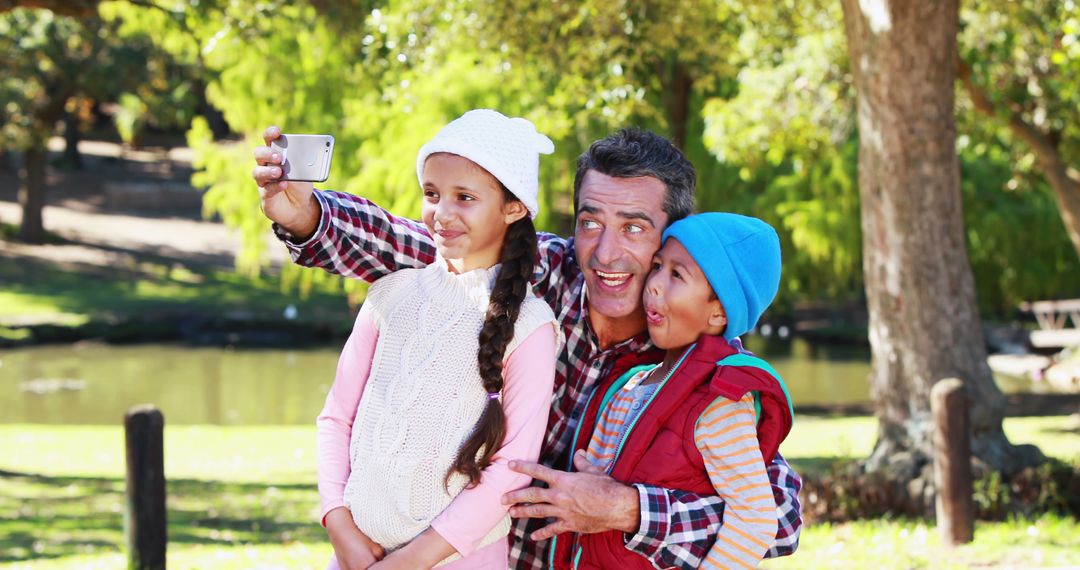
point(612, 63)
point(1020, 67)
point(46, 58)
point(768, 117)
point(55, 62)
point(789, 129)
point(74, 8)
point(924, 325)
point(175, 87)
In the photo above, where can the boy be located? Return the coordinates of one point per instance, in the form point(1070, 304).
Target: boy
point(707, 419)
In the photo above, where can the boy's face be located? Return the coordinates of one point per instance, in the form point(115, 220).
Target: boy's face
point(679, 302)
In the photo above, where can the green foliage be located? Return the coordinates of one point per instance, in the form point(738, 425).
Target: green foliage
point(241, 495)
point(609, 64)
point(990, 493)
point(45, 57)
point(1026, 55)
point(790, 128)
point(760, 95)
point(50, 60)
point(130, 117)
point(1016, 242)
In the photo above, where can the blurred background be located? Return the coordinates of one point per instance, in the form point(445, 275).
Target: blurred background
point(136, 267)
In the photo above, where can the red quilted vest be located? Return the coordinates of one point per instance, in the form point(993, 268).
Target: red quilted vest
point(659, 447)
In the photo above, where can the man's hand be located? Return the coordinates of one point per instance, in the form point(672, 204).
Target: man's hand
point(291, 204)
point(586, 501)
point(353, 549)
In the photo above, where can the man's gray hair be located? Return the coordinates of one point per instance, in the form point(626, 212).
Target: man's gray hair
point(634, 152)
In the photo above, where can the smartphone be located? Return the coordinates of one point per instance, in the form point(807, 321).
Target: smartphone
point(305, 158)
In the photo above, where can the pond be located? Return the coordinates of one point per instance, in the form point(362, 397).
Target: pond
point(91, 383)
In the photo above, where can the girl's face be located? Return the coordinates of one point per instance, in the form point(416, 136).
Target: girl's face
point(679, 302)
point(466, 212)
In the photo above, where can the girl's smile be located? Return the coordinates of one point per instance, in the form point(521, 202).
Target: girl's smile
point(466, 211)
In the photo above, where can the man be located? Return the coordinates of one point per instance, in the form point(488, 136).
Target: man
point(628, 187)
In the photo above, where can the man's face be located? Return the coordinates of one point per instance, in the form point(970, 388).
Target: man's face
point(618, 229)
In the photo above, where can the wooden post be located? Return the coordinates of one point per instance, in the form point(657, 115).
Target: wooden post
point(144, 513)
point(952, 461)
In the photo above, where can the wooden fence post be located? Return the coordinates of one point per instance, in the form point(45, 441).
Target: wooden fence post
point(952, 461)
point(144, 512)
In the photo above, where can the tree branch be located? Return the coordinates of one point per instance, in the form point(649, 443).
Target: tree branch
point(77, 8)
point(1039, 141)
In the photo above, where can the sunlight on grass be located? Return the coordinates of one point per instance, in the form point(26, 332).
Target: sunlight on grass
point(245, 497)
point(294, 556)
point(1048, 541)
point(229, 454)
point(43, 293)
point(855, 436)
point(28, 308)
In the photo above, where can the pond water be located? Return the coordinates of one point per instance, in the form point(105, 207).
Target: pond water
point(91, 383)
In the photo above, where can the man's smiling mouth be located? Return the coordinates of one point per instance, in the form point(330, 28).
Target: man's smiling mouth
point(613, 279)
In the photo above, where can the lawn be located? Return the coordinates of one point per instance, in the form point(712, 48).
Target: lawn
point(244, 497)
point(37, 291)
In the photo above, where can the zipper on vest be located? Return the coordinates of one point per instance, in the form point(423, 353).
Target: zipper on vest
point(626, 433)
point(570, 467)
point(573, 449)
point(629, 428)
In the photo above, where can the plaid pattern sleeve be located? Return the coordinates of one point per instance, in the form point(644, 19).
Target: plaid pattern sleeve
point(678, 527)
point(786, 485)
point(358, 239)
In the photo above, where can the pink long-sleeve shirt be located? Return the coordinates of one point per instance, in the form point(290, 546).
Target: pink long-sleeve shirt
point(528, 374)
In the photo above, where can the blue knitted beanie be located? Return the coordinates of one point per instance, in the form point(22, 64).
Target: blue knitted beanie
point(740, 256)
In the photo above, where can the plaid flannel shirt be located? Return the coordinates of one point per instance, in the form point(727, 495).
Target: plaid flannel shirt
point(358, 239)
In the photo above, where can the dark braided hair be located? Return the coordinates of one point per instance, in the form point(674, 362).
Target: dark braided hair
point(511, 287)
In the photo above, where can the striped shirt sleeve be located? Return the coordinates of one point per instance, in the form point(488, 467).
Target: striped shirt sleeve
point(726, 436)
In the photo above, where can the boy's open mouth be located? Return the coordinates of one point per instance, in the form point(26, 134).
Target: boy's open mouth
point(653, 317)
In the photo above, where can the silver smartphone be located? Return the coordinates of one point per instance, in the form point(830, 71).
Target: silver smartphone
point(305, 158)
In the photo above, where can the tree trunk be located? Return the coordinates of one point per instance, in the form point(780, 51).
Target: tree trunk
point(1065, 182)
point(924, 324)
point(678, 91)
point(76, 8)
point(214, 117)
point(71, 141)
point(32, 195)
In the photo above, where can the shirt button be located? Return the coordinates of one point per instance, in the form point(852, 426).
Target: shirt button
point(636, 405)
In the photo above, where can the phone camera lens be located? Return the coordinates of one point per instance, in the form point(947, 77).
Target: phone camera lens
point(328, 144)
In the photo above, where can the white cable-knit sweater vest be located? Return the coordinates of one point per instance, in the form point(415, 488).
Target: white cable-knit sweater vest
point(423, 398)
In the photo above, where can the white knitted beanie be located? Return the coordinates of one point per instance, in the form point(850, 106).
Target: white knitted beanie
point(508, 148)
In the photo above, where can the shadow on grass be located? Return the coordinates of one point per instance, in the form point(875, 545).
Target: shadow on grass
point(45, 517)
point(158, 285)
point(818, 466)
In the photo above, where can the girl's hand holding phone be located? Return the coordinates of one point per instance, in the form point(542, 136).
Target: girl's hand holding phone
point(353, 549)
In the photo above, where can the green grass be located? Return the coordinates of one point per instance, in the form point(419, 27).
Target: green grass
point(815, 444)
point(42, 292)
point(244, 497)
point(243, 493)
point(1045, 542)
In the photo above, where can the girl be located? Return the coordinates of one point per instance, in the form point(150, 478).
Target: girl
point(448, 373)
